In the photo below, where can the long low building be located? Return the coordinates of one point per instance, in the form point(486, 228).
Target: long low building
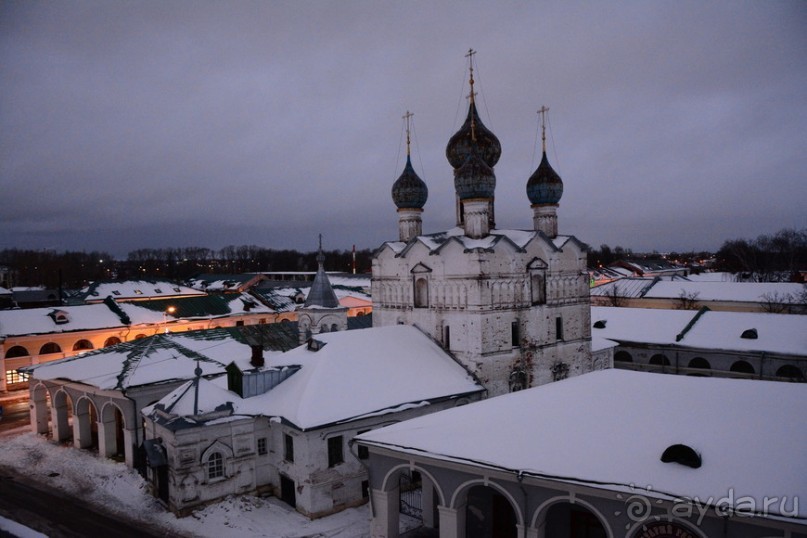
point(682, 293)
point(705, 342)
point(607, 454)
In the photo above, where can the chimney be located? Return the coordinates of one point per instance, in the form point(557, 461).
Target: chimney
point(257, 356)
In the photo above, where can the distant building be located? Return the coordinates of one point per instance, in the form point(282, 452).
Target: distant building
point(682, 293)
point(706, 343)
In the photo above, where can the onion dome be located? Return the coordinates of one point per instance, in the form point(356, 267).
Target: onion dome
point(475, 178)
point(409, 191)
point(544, 185)
point(473, 133)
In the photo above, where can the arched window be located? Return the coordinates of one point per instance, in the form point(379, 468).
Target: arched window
point(112, 341)
point(50, 347)
point(215, 466)
point(323, 328)
point(700, 362)
point(139, 336)
point(791, 372)
point(659, 360)
point(16, 351)
point(421, 293)
point(742, 367)
point(82, 345)
point(538, 288)
point(334, 328)
point(623, 356)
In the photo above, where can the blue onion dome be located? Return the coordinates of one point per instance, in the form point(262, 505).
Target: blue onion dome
point(544, 185)
point(475, 178)
point(409, 191)
point(459, 145)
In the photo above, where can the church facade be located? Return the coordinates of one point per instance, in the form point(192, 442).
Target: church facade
point(511, 305)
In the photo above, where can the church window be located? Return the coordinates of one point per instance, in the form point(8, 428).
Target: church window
point(447, 336)
point(515, 337)
point(559, 328)
point(262, 446)
point(421, 293)
point(538, 288)
point(334, 328)
point(335, 452)
point(215, 466)
point(288, 447)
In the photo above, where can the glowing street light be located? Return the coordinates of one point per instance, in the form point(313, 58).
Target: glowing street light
point(169, 310)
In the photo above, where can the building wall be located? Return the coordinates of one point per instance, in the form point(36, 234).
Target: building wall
point(320, 490)
point(473, 299)
point(765, 364)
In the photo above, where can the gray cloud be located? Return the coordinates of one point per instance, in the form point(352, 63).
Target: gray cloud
point(124, 125)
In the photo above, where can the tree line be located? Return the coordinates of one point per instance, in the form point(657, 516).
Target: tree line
point(21, 267)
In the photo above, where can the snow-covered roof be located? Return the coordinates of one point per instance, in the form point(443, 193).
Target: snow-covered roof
point(157, 359)
point(134, 290)
point(27, 321)
point(742, 429)
point(777, 333)
point(355, 374)
point(726, 291)
point(519, 239)
point(624, 287)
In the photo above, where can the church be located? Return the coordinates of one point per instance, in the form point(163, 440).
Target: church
point(511, 305)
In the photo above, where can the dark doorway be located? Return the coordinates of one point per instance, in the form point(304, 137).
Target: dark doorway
point(287, 493)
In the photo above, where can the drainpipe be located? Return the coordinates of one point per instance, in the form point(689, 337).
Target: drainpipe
point(520, 478)
point(761, 364)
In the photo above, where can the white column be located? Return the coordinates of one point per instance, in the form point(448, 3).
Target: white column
point(385, 521)
point(61, 426)
point(452, 522)
point(39, 412)
point(106, 437)
point(427, 501)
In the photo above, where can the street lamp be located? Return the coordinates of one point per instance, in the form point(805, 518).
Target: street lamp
point(169, 310)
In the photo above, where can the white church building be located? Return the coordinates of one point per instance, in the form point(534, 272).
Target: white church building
point(511, 305)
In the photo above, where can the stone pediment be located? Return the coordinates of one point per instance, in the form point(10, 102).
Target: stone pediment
point(537, 264)
point(420, 269)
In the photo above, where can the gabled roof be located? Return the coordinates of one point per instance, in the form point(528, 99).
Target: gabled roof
point(355, 374)
point(612, 446)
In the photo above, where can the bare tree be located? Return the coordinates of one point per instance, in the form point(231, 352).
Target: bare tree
point(687, 300)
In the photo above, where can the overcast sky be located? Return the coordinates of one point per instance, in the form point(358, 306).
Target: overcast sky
point(124, 125)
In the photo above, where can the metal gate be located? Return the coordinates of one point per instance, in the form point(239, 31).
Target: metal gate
point(411, 489)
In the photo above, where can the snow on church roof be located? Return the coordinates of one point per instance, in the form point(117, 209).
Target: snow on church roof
point(608, 430)
point(356, 373)
point(520, 238)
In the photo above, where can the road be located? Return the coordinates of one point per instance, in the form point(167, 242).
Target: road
point(15, 414)
point(60, 516)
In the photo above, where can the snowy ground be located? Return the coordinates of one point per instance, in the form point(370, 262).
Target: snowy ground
point(119, 490)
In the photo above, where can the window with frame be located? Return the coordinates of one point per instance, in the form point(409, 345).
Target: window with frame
point(215, 466)
point(559, 328)
point(515, 335)
point(288, 447)
point(262, 446)
point(335, 451)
